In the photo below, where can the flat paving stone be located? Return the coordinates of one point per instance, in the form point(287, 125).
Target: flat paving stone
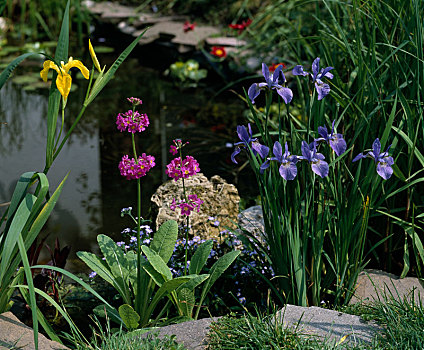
point(16, 335)
point(377, 285)
point(328, 324)
point(193, 334)
point(175, 31)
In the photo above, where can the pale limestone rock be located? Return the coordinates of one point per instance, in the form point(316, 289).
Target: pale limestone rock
point(221, 200)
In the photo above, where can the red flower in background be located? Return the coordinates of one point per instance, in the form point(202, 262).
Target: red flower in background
point(218, 51)
point(274, 66)
point(188, 26)
point(240, 26)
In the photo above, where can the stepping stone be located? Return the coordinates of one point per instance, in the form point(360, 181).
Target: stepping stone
point(109, 10)
point(16, 335)
point(175, 31)
point(375, 284)
point(225, 41)
point(191, 333)
point(328, 324)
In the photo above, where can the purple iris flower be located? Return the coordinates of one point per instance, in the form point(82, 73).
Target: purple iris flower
point(322, 88)
point(336, 141)
point(383, 160)
point(246, 139)
point(309, 153)
point(288, 169)
point(271, 82)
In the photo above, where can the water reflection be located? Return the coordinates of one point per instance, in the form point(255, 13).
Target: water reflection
point(94, 193)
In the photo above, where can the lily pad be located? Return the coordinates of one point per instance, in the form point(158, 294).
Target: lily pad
point(103, 49)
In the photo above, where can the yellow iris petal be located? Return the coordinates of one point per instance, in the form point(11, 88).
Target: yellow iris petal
point(76, 64)
point(64, 80)
point(47, 65)
point(93, 56)
point(63, 84)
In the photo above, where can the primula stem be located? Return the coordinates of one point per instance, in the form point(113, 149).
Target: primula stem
point(188, 218)
point(186, 245)
point(138, 238)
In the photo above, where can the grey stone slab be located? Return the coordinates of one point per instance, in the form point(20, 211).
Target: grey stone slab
point(176, 32)
point(109, 10)
point(376, 285)
point(225, 41)
point(191, 333)
point(328, 324)
point(14, 334)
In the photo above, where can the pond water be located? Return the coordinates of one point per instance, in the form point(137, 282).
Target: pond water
point(95, 192)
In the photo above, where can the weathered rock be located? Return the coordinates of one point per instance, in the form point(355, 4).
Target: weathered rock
point(252, 221)
point(221, 200)
point(328, 324)
point(377, 285)
point(16, 335)
point(191, 333)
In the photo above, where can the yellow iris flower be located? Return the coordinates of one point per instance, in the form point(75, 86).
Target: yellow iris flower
point(93, 56)
point(64, 80)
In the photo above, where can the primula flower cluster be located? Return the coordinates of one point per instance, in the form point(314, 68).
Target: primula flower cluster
point(179, 169)
point(134, 101)
point(132, 121)
point(193, 202)
point(132, 169)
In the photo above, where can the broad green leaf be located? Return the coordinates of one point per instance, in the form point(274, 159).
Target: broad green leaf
point(44, 214)
point(186, 301)
point(42, 190)
point(97, 265)
point(102, 81)
point(165, 290)
point(129, 316)
point(12, 65)
point(34, 230)
point(114, 256)
point(217, 270)
point(157, 262)
point(164, 240)
point(117, 265)
point(109, 311)
point(12, 235)
point(200, 257)
point(195, 281)
point(18, 194)
point(156, 276)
